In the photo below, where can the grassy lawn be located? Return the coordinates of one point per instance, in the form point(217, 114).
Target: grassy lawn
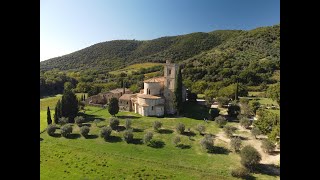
point(200, 96)
point(134, 67)
point(93, 158)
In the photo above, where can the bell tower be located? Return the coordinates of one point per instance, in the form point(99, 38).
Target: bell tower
point(170, 71)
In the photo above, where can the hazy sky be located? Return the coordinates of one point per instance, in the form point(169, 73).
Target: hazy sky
point(70, 25)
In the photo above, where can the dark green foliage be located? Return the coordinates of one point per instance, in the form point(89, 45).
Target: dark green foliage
point(273, 92)
point(51, 129)
point(254, 105)
point(63, 120)
point(220, 121)
point(49, 120)
point(114, 123)
point(250, 157)
point(79, 120)
point(267, 121)
point(180, 128)
point(113, 107)
point(201, 128)
point(233, 110)
point(66, 130)
point(128, 135)
point(176, 140)
point(222, 101)
point(128, 124)
point(207, 142)
point(229, 130)
point(255, 131)
point(84, 131)
point(235, 144)
point(274, 135)
point(57, 113)
point(147, 137)
point(267, 145)
point(178, 91)
point(105, 132)
point(214, 112)
point(69, 104)
point(157, 125)
point(245, 122)
point(240, 172)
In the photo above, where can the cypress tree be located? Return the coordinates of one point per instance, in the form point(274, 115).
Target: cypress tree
point(236, 93)
point(81, 99)
point(69, 105)
point(49, 120)
point(84, 97)
point(178, 91)
point(113, 107)
point(57, 113)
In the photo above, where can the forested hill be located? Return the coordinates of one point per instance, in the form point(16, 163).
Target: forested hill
point(120, 53)
point(224, 56)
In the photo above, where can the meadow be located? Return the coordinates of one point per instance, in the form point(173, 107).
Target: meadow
point(93, 158)
point(134, 67)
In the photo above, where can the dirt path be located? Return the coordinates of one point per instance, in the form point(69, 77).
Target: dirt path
point(248, 139)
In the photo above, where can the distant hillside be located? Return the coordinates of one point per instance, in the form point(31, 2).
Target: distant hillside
point(120, 53)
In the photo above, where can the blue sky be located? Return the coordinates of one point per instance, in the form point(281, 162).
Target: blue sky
point(70, 25)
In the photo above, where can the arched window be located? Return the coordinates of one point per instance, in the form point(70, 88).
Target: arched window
point(149, 91)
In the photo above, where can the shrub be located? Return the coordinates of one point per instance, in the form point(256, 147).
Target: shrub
point(214, 112)
point(128, 135)
point(255, 131)
point(233, 110)
point(201, 128)
point(105, 132)
point(235, 144)
point(147, 137)
point(207, 142)
point(249, 156)
point(63, 120)
point(220, 121)
point(84, 131)
point(267, 145)
point(245, 122)
point(157, 125)
point(222, 101)
point(96, 121)
point(128, 123)
point(254, 106)
point(180, 128)
point(51, 129)
point(114, 123)
point(66, 130)
point(79, 120)
point(244, 101)
point(176, 140)
point(229, 130)
point(240, 172)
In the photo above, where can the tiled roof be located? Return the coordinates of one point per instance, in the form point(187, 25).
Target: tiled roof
point(147, 96)
point(126, 96)
point(155, 79)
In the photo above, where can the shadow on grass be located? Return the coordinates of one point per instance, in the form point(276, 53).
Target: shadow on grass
point(195, 111)
point(73, 136)
point(128, 117)
point(136, 141)
point(85, 124)
point(56, 135)
point(219, 150)
point(91, 136)
point(165, 131)
point(114, 139)
point(190, 133)
point(274, 153)
point(183, 146)
point(137, 130)
point(41, 139)
point(120, 128)
point(156, 144)
point(89, 117)
point(267, 169)
point(241, 137)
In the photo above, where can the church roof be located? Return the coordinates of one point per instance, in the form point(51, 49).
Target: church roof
point(148, 96)
point(155, 79)
point(119, 90)
point(126, 96)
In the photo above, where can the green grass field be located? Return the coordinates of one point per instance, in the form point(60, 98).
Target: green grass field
point(93, 158)
point(134, 67)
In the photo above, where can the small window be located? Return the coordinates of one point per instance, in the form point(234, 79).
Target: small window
point(151, 107)
point(169, 71)
point(127, 102)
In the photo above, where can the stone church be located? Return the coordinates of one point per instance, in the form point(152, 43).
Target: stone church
point(156, 99)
